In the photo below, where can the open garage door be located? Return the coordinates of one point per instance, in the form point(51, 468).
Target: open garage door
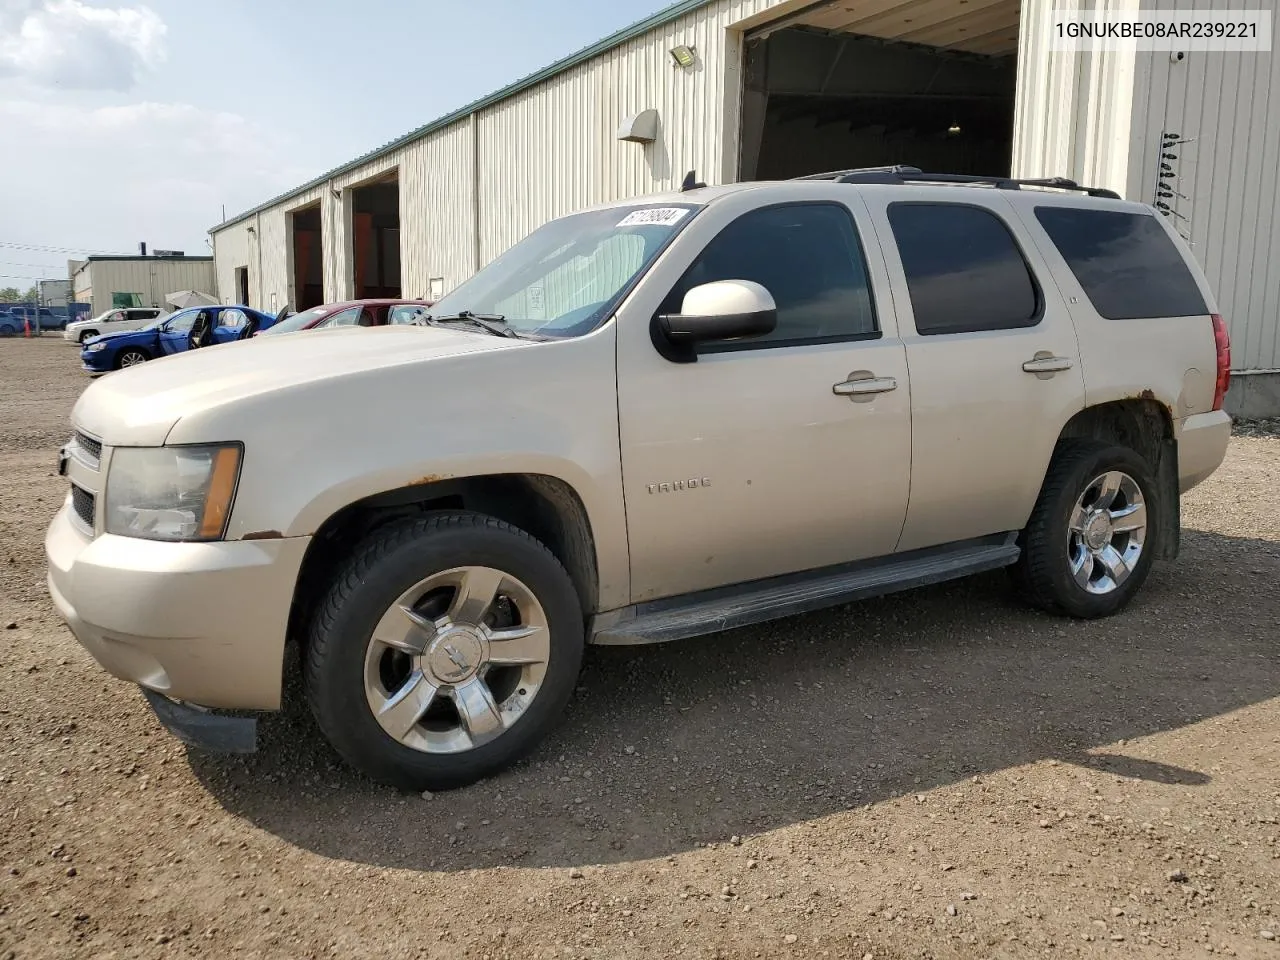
point(864, 83)
point(308, 258)
point(375, 238)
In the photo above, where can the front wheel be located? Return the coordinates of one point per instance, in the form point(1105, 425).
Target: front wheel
point(444, 652)
point(87, 334)
point(130, 358)
point(1090, 541)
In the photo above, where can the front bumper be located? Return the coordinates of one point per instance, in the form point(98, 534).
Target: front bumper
point(71, 336)
point(199, 728)
point(1202, 446)
point(203, 623)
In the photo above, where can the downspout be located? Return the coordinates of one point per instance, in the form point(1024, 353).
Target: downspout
point(257, 236)
point(475, 188)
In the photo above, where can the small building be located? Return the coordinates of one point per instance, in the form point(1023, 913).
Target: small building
point(137, 281)
point(771, 89)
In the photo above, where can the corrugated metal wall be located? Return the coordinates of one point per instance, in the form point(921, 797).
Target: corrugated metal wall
point(1229, 105)
point(437, 211)
point(1072, 112)
point(153, 279)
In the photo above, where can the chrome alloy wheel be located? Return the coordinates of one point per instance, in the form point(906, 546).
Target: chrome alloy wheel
point(456, 660)
point(1106, 532)
point(131, 358)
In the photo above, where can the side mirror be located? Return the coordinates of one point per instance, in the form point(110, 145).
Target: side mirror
point(723, 310)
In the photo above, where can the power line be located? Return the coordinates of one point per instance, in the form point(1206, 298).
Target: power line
point(14, 263)
point(23, 276)
point(41, 248)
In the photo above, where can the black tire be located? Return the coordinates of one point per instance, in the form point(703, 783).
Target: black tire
point(1043, 573)
point(86, 334)
point(391, 561)
point(131, 352)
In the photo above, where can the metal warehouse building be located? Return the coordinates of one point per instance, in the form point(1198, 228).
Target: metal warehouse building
point(127, 281)
point(762, 89)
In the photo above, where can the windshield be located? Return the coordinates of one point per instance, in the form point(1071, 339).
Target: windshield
point(156, 322)
point(297, 321)
point(566, 277)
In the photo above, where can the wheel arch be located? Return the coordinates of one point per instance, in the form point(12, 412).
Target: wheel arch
point(546, 507)
point(1144, 425)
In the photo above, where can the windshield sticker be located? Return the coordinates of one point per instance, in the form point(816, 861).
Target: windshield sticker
point(654, 217)
point(535, 302)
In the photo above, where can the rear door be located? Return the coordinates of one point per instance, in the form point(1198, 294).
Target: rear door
point(995, 366)
point(228, 326)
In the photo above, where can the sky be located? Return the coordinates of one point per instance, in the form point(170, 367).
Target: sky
point(123, 122)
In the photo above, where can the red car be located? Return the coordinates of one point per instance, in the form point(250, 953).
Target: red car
point(352, 313)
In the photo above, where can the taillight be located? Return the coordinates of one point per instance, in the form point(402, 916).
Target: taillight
point(1223, 344)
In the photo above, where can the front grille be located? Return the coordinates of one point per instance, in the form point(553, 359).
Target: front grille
point(92, 448)
point(82, 502)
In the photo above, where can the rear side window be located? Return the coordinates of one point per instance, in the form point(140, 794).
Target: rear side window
point(965, 272)
point(1127, 264)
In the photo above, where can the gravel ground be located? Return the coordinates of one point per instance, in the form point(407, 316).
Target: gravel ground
point(937, 774)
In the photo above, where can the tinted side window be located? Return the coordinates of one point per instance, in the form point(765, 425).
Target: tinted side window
point(808, 257)
point(1126, 263)
point(964, 270)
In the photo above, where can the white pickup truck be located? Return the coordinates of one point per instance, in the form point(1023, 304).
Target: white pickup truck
point(646, 421)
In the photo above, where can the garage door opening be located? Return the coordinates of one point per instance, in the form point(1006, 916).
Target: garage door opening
point(930, 84)
point(375, 239)
point(308, 259)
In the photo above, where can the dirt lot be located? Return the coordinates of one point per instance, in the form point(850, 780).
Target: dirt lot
point(937, 774)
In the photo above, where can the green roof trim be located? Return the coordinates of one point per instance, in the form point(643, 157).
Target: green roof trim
point(662, 17)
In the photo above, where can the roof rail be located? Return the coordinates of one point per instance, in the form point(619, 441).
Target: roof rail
point(848, 176)
point(900, 173)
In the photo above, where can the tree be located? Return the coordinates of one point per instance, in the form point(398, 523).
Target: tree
point(32, 294)
point(10, 295)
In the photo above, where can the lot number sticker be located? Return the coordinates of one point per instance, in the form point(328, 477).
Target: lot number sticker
point(654, 217)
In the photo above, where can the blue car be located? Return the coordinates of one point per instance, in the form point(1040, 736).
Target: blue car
point(175, 333)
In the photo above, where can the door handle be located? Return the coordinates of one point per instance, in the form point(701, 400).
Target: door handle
point(858, 387)
point(1047, 364)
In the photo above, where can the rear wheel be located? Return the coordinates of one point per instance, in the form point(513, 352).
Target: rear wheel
point(131, 358)
point(86, 334)
point(1091, 539)
point(444, 652)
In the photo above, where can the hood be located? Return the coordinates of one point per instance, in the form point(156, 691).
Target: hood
point(138, 406)
point(119, 335)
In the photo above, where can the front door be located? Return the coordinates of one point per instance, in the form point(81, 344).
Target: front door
point(176, 331)
point(772, 455)
point(995, 367)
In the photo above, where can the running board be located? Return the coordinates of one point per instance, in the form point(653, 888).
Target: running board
point(741, 605)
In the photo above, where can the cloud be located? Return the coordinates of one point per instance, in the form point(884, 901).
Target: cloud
point(150, 171)
point(71, 45)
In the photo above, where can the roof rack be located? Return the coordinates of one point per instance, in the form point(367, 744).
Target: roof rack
point(900, 173)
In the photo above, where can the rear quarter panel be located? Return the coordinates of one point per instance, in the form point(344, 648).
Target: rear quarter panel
point(1172, 360)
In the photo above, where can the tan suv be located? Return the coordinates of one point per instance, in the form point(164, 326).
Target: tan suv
point(647, 421)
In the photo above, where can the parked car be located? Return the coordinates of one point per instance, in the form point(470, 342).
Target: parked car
point(352, 313)
point(647, 421)
point(111, 321)
point(175, 333)
point(18, 318)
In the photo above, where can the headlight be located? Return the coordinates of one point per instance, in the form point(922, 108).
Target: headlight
point(95, 347)
point(171, 493)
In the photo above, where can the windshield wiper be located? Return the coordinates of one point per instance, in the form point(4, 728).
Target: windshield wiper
point(492, 322)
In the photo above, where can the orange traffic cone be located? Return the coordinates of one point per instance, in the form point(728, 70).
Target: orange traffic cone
point(26, 328)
